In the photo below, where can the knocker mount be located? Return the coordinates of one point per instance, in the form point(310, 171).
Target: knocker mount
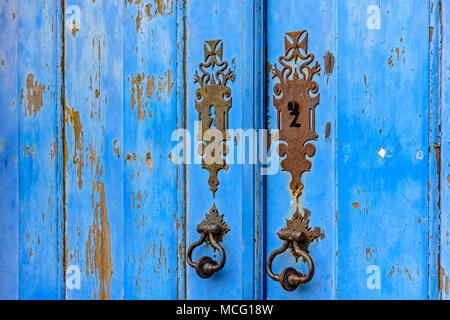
point(213, 96)
point(295, 99)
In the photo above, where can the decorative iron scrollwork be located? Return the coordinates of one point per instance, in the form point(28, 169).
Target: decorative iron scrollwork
point(295, 99)
point(296, 107)
point(213, 103)
point(213, 98)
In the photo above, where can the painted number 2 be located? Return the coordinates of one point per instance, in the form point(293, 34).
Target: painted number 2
point(293, 107)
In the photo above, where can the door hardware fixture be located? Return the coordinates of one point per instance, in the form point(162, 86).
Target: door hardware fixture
point(296, 236)
point(295, 99)
point(213, 103)
point(212, 230)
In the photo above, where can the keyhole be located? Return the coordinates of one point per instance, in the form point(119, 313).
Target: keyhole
point(212, 114)
point(294, 108)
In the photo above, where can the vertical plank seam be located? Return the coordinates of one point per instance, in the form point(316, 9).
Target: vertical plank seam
point(336, 154)
point(265, 107)
point(259, 51)
point(181, 119)
point(439, 94)
point(64, 142)
point(16, 10)
point(433, 238)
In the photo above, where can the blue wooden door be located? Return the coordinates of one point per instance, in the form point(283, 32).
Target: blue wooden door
point(315, 25)
point(31, 254)
point(373, 188)
point(89, 99)
point(104, 176)
point(226, 32)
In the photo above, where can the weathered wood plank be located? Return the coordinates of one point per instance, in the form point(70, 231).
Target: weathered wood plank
point(318, 195)
point(444, 272)
point(233, 23)
point(9, 141)
point(39, 263)
point(153, 220)
point(383, 150)
point(94, 147)
point(253, 117)
point(181, 169)
point(434, 142)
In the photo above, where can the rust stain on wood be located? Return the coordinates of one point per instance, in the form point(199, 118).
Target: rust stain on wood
point(130, 157)
point(165, 84)
point(139, 101)
point(73, 117)
point(329, 63)
point(151, 9)
point(148, 158)
point(137, 96)
point(328, 131)
point(443, 281)
point(368, 254)
point(117, 148)
point(138, 21)
point(150, 86)
point(98, 245)
point(163, 7)
point(53, 152)
point(390, 62)
point(35, 92)
point(30, 151)
point(408, 274)
point(75, 28)
point(437, 149)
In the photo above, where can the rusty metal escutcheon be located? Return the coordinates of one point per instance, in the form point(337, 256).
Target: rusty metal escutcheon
point(295, 99)
point(212, 98)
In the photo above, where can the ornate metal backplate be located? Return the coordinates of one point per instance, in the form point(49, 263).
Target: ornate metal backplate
point(214, 224)
point(299, 225)
point(295, 100)
point(213, 104)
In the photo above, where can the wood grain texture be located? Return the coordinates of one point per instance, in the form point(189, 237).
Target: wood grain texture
point(318, 196)
point(39, 262)
point(9, 142)
point(233, 23)
point(444, 271)
point(94, 188)
point(92, 90)
point(383, 150)
point(154, 219)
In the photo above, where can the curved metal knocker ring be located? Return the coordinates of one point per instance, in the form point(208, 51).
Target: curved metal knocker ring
point(205, 266)
point(290, 278)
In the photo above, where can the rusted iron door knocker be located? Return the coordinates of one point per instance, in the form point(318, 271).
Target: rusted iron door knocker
point(295, 98)
point(213, 98)
point(211, 230)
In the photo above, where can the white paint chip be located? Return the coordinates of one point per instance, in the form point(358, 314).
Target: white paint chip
point(382, 153)
point(419, 155)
